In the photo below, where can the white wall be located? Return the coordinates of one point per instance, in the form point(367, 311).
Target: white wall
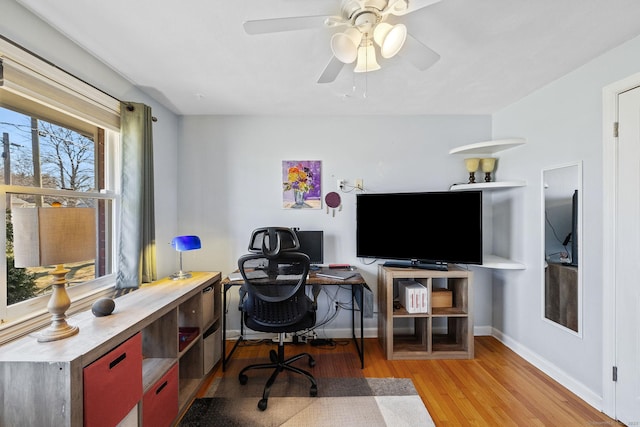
point(28, 31)
point(230, 181)
point(562, 123)
point(226, 179)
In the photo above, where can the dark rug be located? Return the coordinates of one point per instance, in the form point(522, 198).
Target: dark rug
point(355, 401)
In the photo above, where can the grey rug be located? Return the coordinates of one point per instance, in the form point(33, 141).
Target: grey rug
point(369, 402)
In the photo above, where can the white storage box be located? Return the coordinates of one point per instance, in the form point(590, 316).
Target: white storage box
point(212, 347)
point(414, 296)
point(208, 299)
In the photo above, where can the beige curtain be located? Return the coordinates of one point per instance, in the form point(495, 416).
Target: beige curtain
point(137, 246)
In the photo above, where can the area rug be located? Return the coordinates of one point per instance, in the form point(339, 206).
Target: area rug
point(369, 402)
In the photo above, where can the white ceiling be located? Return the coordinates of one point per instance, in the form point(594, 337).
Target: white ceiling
point(195, 58)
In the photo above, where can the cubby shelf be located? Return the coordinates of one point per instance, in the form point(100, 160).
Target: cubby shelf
point(139, 343)
point(441, 332)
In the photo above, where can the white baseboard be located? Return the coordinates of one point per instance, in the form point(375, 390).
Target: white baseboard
point(482, 331)
point(557, 374)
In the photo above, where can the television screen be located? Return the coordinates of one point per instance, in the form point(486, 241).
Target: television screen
point(312, 244)
point(430, 227)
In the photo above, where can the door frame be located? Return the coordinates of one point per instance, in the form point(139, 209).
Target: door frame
point(609, 155)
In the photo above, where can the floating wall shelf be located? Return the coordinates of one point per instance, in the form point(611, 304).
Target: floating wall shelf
point(496, 185)
point(490, 149)
point(500, 263)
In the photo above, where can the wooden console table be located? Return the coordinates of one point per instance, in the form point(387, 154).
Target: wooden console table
point(137, 354)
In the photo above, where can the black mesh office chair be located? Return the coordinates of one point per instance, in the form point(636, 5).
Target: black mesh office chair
point(276, 301)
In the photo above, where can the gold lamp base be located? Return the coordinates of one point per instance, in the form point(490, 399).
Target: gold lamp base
point(57, 306)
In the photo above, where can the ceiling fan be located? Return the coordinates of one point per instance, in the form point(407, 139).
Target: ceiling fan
point(366, 34)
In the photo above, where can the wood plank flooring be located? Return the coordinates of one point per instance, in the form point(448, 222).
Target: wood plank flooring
point(496, 388)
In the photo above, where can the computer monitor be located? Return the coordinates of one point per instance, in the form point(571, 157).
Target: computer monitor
point(312, 244)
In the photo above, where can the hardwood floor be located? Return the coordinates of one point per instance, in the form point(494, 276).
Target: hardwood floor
point(496, 388)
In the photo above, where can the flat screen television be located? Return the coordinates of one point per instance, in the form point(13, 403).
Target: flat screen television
point(312, 244)
point(428, 229)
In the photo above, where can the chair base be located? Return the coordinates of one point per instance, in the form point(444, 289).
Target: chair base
point(279, 364)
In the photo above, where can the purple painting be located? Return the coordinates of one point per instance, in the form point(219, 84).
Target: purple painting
point(301, 188)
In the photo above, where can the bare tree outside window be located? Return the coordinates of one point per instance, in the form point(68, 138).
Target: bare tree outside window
point(67, 157)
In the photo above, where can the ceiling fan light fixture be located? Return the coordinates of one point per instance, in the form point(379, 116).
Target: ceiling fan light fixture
point(345, 45)
point(390, 38)
point(366, 59)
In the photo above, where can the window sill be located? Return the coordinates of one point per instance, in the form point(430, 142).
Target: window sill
point(17, 328)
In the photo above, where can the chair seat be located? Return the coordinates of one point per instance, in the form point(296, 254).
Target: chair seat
point(305, 323)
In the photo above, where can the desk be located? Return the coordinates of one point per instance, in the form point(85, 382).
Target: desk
point(358, 287)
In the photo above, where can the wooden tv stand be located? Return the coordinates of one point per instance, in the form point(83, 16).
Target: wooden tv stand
point(136, 354)
point(441, 332)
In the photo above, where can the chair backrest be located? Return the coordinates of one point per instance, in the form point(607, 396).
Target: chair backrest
point(275, 280)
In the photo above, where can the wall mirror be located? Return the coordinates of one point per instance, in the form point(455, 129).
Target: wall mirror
point(562, 219)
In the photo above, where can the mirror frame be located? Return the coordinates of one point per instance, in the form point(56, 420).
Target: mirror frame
point(578, 166)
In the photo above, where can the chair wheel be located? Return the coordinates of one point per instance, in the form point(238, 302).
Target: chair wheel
point(313, 391)
point(262, 405)
point(243, 379)
point(273, 356)
point(312, 362)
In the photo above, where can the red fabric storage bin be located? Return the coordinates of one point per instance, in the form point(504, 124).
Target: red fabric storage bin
point(186, 334)
point(160, 402)
point(113, 384)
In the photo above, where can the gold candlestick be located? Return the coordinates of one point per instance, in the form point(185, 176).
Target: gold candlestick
point(472, 166)
point(487, 166)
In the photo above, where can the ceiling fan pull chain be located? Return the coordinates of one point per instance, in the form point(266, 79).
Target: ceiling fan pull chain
point(366, 85)
point(366, 73)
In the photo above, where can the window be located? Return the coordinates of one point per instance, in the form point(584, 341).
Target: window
point(59, 148)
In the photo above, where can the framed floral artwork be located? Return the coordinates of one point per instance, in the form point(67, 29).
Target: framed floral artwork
point(301, 184)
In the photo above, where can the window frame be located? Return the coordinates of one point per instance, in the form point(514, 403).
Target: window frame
point(25, 75)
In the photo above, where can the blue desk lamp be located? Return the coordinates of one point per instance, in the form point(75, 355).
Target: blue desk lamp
point(181, 244)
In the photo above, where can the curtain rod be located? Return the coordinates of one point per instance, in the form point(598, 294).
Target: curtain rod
point(153, 118)
point(132, 108)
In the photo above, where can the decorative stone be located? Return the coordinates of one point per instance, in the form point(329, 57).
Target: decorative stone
point(103, 307)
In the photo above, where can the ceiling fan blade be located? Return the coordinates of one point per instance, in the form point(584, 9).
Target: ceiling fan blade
point(421, 56)
point(275, 25)
point(331, 71)
point(412, 6)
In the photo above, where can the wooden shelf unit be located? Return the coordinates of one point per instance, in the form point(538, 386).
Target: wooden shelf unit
point(441, 332)
point(50, 375)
